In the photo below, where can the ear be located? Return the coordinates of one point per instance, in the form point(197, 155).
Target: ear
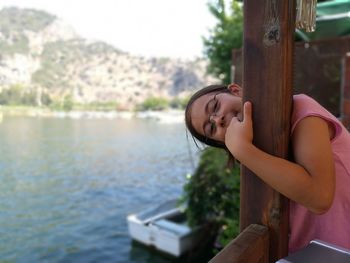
point(235, 89)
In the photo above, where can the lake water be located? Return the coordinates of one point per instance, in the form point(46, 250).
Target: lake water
point(67, 185)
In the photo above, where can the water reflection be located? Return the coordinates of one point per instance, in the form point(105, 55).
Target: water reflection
point(67, 185)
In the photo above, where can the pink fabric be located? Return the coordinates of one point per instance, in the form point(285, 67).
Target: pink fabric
point(334, 225)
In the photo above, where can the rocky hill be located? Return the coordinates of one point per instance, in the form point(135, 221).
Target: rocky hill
point(42, 54)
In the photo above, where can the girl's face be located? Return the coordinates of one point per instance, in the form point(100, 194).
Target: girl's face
point(212, 113)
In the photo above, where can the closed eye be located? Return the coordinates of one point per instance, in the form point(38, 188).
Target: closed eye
point(216, 105)
point(211, 106)
point(211, 109)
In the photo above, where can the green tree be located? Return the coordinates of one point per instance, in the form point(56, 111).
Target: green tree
point(179, 103)
point(68, 103)
point(46, 99)
point(12, 95)
point(212, 195)
point(225, 36)
point(29, 98)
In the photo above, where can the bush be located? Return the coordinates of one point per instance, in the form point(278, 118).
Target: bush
point(212, 195)
point(58, 104)
point(179, 103)
point(46, 99)
point(98, 106)
point(17, 95)
point(29, 98)
point(154, 103)
point(11, 96)
point(68, 103)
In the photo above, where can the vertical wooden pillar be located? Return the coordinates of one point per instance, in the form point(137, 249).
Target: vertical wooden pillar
point(345, 92)
point(269, 27)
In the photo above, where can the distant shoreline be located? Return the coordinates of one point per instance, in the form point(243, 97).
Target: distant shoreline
point(166, 116)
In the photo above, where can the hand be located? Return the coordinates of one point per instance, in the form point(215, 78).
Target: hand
point(240, 134)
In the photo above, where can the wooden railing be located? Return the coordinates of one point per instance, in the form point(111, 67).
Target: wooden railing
point(252, 245)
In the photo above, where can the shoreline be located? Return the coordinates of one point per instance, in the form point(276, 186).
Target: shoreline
point(166, 116)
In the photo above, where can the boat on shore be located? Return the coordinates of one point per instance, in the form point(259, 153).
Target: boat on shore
point(164, 227)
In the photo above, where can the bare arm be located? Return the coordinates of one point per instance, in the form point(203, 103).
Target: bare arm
point(310, 181)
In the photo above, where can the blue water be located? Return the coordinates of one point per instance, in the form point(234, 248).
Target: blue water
point(67, 186)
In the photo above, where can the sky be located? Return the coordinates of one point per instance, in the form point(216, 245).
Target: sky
point(161, 28)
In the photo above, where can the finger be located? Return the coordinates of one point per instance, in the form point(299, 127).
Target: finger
point(234, 120)
point(247, 111)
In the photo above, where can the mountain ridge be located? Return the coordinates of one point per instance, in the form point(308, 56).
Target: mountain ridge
point(42, 54)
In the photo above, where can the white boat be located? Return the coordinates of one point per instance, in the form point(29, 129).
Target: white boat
point(163, 227)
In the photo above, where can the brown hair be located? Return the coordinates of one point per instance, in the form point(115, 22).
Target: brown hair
point(188, 120)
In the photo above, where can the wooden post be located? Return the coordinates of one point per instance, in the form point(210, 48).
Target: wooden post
point(269, 27)
point(345, 92)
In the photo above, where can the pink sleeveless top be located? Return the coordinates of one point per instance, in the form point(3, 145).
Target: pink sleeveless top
point(334, 225)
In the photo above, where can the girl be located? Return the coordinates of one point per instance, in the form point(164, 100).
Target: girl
point(317, 183)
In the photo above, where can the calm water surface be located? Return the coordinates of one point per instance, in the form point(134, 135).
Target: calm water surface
point(67, 186)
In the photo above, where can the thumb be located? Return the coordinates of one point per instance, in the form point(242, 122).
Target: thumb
point(247, 111)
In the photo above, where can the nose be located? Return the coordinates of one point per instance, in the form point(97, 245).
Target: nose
point(218, 120)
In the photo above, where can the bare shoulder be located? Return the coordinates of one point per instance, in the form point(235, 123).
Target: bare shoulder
point(311, 141)
point(313, 151)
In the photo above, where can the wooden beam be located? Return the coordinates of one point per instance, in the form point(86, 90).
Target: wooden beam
point(267, 83)
point(250, 246)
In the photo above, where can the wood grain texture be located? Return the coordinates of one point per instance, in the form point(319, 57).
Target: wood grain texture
point(267, 83)
point(250, 246)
